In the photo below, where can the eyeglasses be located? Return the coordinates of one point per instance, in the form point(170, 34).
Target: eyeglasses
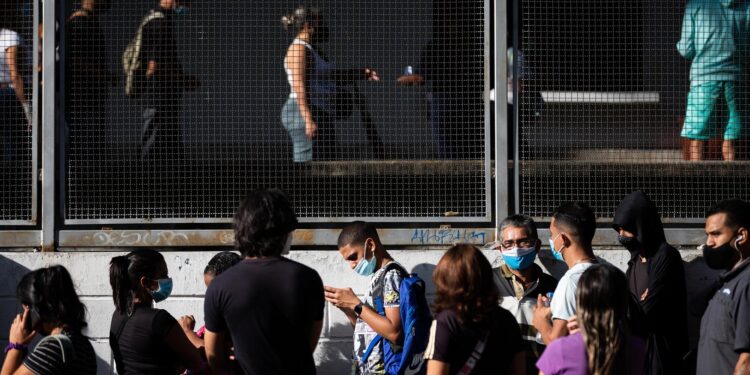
point(521, 242)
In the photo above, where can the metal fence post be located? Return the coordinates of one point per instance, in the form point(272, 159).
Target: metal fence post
point(49, 22)
point(502, 195)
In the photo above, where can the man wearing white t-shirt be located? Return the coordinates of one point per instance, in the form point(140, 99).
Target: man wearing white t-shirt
point(571, 231)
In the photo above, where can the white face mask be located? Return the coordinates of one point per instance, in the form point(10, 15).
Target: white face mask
point(287, 245)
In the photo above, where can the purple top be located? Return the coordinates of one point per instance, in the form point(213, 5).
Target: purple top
point(567, 356)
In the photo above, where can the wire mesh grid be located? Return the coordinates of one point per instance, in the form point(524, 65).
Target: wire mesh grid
point(221, 98)
point(608, 105)
point(16, 111)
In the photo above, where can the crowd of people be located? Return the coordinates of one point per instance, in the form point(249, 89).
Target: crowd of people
point(264, 312)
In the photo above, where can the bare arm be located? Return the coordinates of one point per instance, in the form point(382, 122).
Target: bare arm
point(549, 330)
point(315, 334)
point(11, 57)
point(187, 323)
point(151, 68)
point(296, 63)
point(388, 326)
point(216, 351)
point(743, 365)
point(435, 367)
point(552, 332)
point(14, 358)
point(179, 343)
point(518, 365)
point(13, 364)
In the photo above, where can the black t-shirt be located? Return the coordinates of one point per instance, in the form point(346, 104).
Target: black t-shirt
point(639, 278)
point(452, 342)
point(268, 307)
point(140, 347)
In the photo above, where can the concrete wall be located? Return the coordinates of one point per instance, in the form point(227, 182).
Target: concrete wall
point(89, 270)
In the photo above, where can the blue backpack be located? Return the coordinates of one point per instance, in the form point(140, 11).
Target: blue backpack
point(415, 322)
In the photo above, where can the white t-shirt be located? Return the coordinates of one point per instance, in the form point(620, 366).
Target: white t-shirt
point(8, 38)
point(563, 303)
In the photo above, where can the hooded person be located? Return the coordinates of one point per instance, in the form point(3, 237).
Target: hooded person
point(656, 278)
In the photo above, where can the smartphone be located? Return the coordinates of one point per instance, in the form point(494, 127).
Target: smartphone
point(33, 319)
point(549, 299)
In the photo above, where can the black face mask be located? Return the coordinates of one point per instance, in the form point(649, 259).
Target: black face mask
point(721, 257)
point(630, 243)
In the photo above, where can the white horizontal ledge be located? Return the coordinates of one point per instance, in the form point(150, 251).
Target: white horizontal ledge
point(600, 97)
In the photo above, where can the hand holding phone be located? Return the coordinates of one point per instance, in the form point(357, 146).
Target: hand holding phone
point(21, 331)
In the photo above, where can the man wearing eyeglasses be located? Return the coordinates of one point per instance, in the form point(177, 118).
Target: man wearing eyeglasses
point(520, 280)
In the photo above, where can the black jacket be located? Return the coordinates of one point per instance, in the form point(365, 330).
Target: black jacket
point(665, 305)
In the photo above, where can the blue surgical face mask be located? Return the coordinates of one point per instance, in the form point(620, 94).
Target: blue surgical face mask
point(163, 291)
point(555, 253)
point(519, 258)
point(366, 267)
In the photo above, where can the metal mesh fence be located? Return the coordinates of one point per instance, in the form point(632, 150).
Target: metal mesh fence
point(17, 73)
point(205, 114)
point(608, 105)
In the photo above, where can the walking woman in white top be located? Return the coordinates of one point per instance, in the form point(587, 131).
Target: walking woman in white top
point(14, 111)
point(316, 99)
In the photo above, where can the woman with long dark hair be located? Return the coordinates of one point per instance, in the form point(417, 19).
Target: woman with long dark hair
point(50, 307)
point(471, 331)
point(146, 340)
point(604, 345)
point(316, 98)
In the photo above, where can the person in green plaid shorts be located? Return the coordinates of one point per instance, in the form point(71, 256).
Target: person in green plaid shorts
point(715, 38)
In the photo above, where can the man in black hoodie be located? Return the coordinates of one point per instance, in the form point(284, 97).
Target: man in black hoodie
point(656, 278)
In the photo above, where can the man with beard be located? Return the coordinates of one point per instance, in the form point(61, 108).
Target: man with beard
point(724, 346)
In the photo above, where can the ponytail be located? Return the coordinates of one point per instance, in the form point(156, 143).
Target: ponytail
point(125, 273)
point(299, 17)
point(120, 282)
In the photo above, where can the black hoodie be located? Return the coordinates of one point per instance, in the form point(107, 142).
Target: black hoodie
point(665, 305)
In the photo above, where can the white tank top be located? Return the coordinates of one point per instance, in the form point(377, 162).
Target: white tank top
point(8, 38)
point(292, 94)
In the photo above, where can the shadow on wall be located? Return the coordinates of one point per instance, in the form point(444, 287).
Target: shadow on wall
point(334, 355)
point(11, 273)
point(425, 270)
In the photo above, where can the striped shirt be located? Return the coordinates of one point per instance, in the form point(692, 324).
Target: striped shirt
point(66, 353)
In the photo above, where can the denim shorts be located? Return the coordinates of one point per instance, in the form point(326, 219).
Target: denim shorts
point(704, 101)
point(291, 118)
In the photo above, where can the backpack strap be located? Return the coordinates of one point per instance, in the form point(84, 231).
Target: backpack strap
point(475, 356)
point(375, 341)
point(66, 346)
point(378, 300)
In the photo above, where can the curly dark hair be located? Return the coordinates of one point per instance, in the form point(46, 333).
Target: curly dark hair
point(262, 223)
point(464, 283)
point(221, 262)
point(50, 291)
